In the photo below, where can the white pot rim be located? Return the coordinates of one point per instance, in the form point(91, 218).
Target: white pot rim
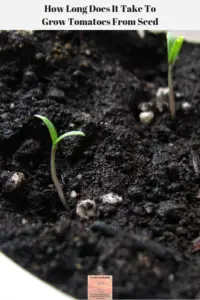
point(191, 36)
point(17, 283)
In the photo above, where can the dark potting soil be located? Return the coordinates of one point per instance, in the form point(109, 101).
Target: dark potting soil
point(96, 82)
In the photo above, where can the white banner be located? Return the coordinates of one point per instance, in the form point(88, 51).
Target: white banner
point(98, 15)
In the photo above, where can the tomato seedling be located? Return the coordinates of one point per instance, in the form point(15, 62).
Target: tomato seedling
point(55, 140)
point(173, 48)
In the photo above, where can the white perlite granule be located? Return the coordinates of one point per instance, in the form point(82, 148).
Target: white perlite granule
point(111, 198)
point(146, 117)
point(86, 209)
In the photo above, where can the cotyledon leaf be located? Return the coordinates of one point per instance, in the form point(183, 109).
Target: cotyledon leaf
point(50, 126)
point(67, 134)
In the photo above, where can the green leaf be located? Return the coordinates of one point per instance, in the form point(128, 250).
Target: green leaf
point(51, 128)
point(176, 49)
point(173, 47)
point(170, 42)
point(67, 134)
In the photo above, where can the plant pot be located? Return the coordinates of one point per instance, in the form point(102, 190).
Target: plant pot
point(142, 179)
point(24, 284)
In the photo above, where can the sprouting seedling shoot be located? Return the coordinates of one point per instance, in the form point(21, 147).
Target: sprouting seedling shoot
point(173, 48)
point(55, 140)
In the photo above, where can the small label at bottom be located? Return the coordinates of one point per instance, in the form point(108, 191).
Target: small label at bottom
point(99, 287)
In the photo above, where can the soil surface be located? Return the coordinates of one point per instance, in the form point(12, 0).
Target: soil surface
point(96, 82)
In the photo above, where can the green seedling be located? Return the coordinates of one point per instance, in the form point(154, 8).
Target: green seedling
point(173, 48)
point(55, 140)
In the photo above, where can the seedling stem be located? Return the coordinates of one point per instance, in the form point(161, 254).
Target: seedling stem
point(171, 92)
point(55, 178)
